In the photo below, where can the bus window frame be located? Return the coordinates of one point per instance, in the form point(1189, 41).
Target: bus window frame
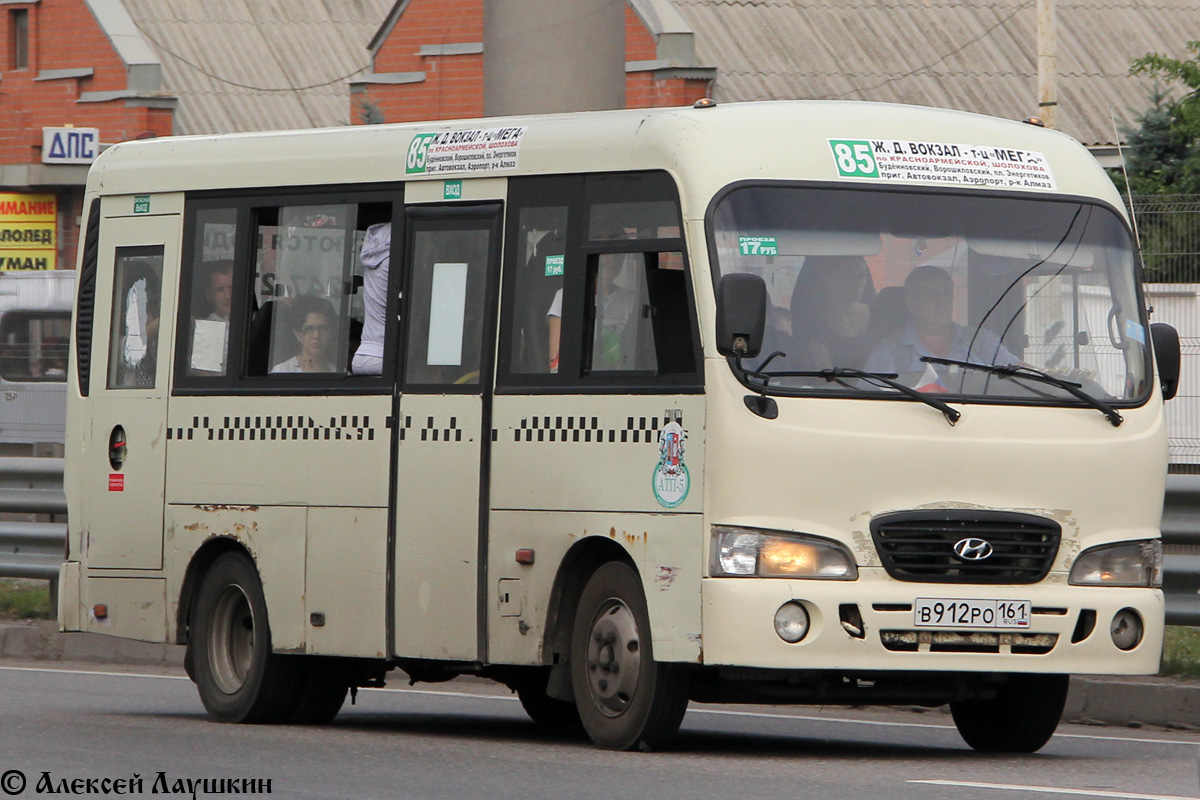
point(1139, 284)
point(573, 191)
point(246, 202)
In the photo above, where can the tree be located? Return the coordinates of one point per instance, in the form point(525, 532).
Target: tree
point(1164, 162)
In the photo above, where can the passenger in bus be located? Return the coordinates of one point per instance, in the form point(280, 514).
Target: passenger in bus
point(830, 313)
point(210, 327)
point(313, 320)
point(931, 331)
point(375, 258)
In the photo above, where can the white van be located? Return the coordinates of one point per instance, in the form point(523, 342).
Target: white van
point(782, 402)
point(35, 328)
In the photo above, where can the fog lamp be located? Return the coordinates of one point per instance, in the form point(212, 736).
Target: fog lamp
point(1126, 629)
point(791, 622)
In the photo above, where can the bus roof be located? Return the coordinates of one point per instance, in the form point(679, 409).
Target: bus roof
point(706, 148)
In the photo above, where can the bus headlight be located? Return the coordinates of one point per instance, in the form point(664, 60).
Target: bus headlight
point(751, 552)
point(1121, 564)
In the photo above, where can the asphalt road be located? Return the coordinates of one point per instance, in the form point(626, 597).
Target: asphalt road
point(470, 739)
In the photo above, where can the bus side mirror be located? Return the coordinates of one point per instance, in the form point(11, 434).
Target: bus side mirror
point(1166, 357)
point(741, 314)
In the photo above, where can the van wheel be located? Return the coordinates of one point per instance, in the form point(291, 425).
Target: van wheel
point(1021, 718)
point(323, 692)
point(559, 716)
point(626, 699)
point(239, 678)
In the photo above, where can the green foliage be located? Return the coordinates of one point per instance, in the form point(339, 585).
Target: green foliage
point(1181, 652)
point(1163, 162)
point(369, 113)
point(22, 599)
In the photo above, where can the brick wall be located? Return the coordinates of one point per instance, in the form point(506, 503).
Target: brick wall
point(63, 34)
point(453, 85)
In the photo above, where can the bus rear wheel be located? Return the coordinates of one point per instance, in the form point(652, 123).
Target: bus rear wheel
point(626, 699)
point(1020, 718)
point(239, 678)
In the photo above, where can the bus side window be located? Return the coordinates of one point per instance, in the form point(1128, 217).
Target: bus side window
point(137, 296)
point(33, 346)
point(541, 261)
point(212, 291)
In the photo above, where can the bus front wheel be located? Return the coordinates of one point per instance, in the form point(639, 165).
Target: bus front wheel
point(1020, 718)
point(626, 699)
point(239, 678)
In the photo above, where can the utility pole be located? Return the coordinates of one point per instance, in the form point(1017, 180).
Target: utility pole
point(1047, 64)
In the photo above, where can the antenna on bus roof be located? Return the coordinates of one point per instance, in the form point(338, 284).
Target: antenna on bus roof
point(1137, 239)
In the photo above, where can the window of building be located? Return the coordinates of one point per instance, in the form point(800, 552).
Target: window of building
point(33, 345)
point(18, 38)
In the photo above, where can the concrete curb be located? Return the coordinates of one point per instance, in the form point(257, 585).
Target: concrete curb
point(1125, 701)
point(40, 640)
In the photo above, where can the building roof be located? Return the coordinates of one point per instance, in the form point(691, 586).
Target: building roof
point(972, 55)
point(243, 65)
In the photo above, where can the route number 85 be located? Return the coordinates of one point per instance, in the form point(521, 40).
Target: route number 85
point(854, 159)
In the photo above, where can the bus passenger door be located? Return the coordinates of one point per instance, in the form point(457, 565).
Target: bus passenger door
point(125, 455)
point(444, 431)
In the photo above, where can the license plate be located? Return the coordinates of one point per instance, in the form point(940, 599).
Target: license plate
point(937, 612)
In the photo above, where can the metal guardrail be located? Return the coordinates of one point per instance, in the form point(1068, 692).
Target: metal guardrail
point(35, 549)
point(1181, 546)
point(31, 486)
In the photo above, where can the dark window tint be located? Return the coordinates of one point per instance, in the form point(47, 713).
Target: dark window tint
point(33, 346)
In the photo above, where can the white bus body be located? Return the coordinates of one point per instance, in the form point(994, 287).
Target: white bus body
point(631, 519)
point(35, 319)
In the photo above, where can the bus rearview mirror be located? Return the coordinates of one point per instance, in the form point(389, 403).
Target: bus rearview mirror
point(1166, 357)
point(741, 314)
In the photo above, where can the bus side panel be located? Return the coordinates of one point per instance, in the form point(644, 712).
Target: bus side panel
point(278, 450)
point(346, 582)
point(136, 608)
point(275, 539)
point(568, 467)
point(665, 549)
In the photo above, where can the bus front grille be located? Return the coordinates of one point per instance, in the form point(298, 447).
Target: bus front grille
point(954, 546)
point(1032, 644)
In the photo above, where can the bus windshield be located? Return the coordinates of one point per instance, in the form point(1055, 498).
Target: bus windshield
point(902, 283)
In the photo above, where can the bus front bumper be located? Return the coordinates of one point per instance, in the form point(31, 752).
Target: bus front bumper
point(739, 627)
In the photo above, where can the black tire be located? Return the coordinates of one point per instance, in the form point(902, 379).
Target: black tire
point(1021, 718)
point(558, 716)
point(626, 699)
point(239, 678)
point(323, 691)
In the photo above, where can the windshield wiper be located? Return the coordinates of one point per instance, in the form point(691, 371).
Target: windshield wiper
point(1017, 372)
point(886, 378)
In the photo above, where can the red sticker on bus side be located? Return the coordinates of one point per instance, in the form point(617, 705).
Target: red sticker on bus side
point(116, 482)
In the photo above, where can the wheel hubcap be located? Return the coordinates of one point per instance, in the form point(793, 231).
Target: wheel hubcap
point(231, 639)
point(614, 658)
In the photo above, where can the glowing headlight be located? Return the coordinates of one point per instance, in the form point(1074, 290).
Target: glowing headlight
point(1122, 564)
point(755, 553)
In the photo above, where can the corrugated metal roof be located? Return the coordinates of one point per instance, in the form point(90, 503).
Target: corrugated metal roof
point(244, 65)
point(973, 55)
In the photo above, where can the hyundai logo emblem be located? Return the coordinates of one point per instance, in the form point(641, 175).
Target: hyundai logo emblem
point(972, 549)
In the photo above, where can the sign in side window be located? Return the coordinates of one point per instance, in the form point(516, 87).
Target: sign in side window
point(211, 291)
point(33, 345)
point(447, 310)
point(137, 297)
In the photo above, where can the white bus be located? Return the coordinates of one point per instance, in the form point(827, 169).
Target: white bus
point(779, 403)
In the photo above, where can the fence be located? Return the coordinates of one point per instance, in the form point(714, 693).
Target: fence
point(32, 486)
point(1169, 230)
